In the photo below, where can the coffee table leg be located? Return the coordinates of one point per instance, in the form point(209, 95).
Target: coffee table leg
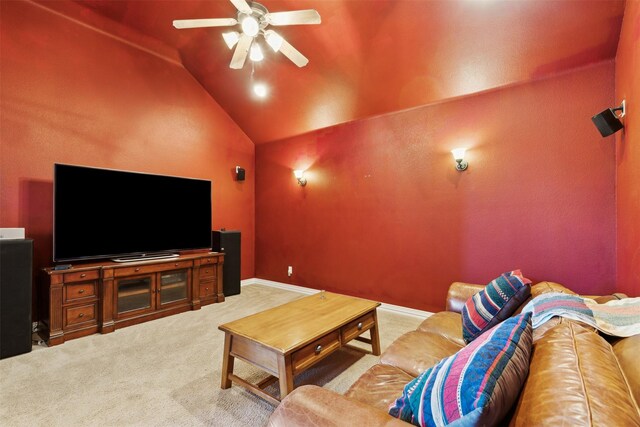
point(375, 336)
point(227, 362)
point(285, 375)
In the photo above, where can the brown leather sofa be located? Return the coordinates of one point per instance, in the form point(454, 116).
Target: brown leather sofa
point(576, 377)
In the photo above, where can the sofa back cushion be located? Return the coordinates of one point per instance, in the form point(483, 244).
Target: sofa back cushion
point(496, 302)
point(477, 385)
point(459, 293)
point(414, 352)
point(627, 351)
point(575, 380)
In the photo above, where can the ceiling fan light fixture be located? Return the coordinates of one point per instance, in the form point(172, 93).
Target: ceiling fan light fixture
point(231, 38)
point(250, 26)
point(255, 54)
point(273, 39)
point(260, 89)
point(253, 20)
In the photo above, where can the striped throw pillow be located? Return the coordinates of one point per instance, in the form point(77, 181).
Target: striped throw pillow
point(476, 386)
point(496, 302)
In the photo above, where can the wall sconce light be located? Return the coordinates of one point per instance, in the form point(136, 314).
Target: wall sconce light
point(299, 174)
point(458, 155)
point(608, 122)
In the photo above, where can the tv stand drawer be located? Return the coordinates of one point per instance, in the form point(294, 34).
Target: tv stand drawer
point(207, 289)
point(153, 268)
point(80, 291)
point(81, 276)
point(80, 314)
point(207, 272)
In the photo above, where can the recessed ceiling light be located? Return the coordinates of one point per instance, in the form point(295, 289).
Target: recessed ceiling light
point(260, 89)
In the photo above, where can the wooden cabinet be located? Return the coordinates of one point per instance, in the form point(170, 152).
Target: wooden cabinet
point(208, 288)
point(102, 297)
point(73, 300)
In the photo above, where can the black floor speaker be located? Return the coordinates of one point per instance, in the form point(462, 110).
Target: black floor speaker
point(15, 296)
point(229, 243)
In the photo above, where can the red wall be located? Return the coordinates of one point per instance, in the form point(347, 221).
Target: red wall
point(386, 216)
point(627, 144)
point(71, 94)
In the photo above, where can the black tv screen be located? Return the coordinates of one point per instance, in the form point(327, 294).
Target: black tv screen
point(103, 213)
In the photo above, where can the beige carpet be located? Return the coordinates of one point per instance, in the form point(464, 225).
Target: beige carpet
point(161, 373)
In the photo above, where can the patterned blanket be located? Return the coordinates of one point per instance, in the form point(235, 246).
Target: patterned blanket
point(619, 318)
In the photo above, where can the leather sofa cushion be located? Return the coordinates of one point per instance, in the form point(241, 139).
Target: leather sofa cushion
point(627, 351)
point(416, 351)
point(445, 323)
point(575, 380)
point(459, 293)
point(379, 386)
point(545, 287)
point(311, 406)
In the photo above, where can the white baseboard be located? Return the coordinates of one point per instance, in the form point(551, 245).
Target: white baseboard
point(308, 291)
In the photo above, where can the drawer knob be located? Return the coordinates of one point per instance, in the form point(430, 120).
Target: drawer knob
point(176, 264)
point(206, 289)
point(318, 349)
point(81, 315)
point(83, 275)
point(137, 269)
point(359, 326)
point(81, 291)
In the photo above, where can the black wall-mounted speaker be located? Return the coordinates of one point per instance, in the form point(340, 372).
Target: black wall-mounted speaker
point(607, 122)
point(15, 296)
point(239, 173)
point(229, 243)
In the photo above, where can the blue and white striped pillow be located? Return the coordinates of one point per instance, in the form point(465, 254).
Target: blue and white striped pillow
point(477, 385)
point(496, 302)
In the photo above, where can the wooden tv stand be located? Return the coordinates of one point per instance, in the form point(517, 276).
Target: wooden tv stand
point(101, 297)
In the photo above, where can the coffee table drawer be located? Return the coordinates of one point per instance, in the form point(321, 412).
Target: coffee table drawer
point(317, 350)
point(358, 326)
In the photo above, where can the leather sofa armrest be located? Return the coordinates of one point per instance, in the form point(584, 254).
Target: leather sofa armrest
point(459, 293)
point(315, 406)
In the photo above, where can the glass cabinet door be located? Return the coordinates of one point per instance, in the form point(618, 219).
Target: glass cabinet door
point(134, 294)
point(173, 286)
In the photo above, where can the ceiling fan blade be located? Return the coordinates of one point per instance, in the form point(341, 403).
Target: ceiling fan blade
point(200, 23)
point(240, 54)
point(294, 17)
point(242, 6)
point(293, 54)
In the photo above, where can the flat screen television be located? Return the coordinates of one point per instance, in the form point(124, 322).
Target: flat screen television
point(104, 213)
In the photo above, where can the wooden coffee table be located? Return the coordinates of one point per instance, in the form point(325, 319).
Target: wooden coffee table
point(286, 340)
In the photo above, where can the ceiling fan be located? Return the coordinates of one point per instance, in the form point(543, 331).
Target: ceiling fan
point(254, 20)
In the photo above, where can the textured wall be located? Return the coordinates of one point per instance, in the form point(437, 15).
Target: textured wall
point(627, 144)
point(385, 215)
point(71, 94)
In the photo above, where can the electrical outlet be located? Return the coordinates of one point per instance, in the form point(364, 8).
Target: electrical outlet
point(289, 271)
